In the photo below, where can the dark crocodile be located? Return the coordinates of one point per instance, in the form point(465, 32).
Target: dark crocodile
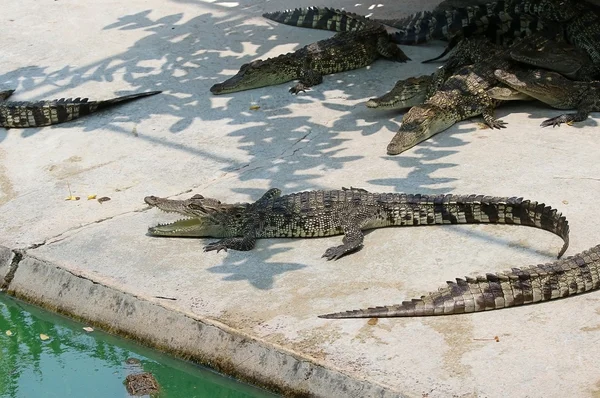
point(20, 114)
point(519, 286)
point(344, 51)
point(557, 91)
point(347, 212)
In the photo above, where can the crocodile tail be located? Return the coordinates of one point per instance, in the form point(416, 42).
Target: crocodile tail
point(46, 113)
point(562, 278)
point(474, 209)
point(485, 19)
point(125, 98)
point(324, 18)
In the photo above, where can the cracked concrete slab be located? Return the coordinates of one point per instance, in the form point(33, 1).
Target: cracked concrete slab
point(254, 314)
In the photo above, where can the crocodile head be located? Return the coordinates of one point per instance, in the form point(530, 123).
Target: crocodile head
point(406, 93)
point(204, 217)
point(257, 74)
point(418, 124)
point(549, 87)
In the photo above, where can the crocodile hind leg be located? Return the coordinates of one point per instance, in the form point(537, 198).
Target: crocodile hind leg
point(308, 78)
point(353, 236)
point(4, 94)
point(390, 50)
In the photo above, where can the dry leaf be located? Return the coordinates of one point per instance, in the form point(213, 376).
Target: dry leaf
point(9, 333)
point(254, 107)
point(566, 202)
point(44, 337)
point(72, 198)
point(103, 199)
point(373, 321)
point(88, 329)
point(90, 197)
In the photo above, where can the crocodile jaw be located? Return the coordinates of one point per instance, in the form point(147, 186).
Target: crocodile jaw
point(405, 94)
point(190, 227)
point(419, 124)
point(254, 75)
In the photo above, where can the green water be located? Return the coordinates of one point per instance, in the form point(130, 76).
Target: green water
point(75, 363)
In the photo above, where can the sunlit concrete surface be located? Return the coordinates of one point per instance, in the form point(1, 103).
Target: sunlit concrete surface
point(254, 314)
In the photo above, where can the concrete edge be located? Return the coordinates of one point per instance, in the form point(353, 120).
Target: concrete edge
point(200, 340)
point(7, 268)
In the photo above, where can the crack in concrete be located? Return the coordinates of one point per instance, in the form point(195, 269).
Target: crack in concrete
point(14, 265)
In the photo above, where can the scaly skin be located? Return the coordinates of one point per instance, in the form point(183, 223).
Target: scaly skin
point(519, 286)
point(45, 113)
point(344, 51)
point(556, 91)
point(560, 57)
point(461, 96)
point(346, 211)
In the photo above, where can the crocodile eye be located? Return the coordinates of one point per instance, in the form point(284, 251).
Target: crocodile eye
point(197, 196)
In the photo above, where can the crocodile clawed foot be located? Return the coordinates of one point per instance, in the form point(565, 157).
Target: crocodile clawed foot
point(298, 88)
point(554, 122)
point(218, 246)
point(333, 253)
point(497, 124)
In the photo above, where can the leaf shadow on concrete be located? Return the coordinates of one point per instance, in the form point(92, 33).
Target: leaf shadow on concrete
point(282, 149)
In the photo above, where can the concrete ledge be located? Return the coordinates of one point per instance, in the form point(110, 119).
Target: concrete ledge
point(201, 340)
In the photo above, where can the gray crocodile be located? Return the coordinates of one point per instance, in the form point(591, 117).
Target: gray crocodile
point(342, 52)
point(519, 286)
point(557, 91)
point(21, 114)
point(347, 212)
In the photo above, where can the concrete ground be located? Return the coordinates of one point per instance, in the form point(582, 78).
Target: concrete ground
point(254, 314)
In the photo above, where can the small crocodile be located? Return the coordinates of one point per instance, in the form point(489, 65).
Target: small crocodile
point(347, 212)
point(557, 91)
point(342, 52)
point(519, 286)
point(462, 95)
point(21, 114)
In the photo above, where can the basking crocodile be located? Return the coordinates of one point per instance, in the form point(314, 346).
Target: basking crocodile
point(557, 91)
point(344, 51)
point(346, 211)
point(22, 114)
point(519, 286)
point(461, 96)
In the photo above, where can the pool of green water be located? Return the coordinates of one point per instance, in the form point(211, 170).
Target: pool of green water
point(46, 355)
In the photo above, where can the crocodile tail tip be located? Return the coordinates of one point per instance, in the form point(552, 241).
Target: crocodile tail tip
point(374, 312)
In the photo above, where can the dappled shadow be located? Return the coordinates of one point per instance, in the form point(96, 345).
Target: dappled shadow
point(281, 142)
point(256, 269)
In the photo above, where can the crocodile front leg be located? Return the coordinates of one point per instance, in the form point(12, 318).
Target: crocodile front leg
point(308, 78)
point(490, 120)
point(245, 243)
point(583, 111)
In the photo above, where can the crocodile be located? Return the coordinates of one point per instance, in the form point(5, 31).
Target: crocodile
point(462, 95)
point(503, 21)
point(558, 56)
point(519, 286)
point(557, 91)
point(347, 212)
point(21, 114)
point(342, 52)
